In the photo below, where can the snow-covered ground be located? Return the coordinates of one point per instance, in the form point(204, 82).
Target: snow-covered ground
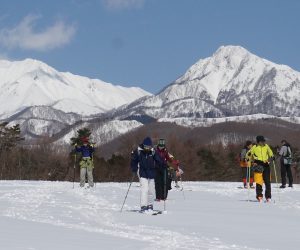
point(206, 215)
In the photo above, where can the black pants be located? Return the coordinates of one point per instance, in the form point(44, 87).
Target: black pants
point(267, 180)
point(286, 170)
point(162, 184)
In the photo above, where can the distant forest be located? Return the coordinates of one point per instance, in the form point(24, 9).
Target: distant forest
point(205, 153)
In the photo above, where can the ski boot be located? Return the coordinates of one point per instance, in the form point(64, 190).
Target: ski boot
point(143, 209)
point(259, 198)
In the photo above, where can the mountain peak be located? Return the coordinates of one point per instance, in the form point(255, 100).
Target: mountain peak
point(231, 50)
point(31, 82)
point(230, 56)
point(233, 81)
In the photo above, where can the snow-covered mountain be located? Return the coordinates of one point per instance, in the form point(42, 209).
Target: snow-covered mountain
point(30, 83)
point(231, 85)
point(44, 101)
point(232, 82)
point(43, 121)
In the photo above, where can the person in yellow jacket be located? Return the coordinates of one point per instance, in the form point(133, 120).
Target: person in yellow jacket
point(261, 155)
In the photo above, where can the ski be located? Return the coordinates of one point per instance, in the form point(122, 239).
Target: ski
point(154, 212)
point(158, 212)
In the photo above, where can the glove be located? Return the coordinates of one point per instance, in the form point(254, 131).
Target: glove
point(175, 163)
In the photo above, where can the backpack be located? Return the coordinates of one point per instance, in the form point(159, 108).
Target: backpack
point(243, 154)
point(287, 159)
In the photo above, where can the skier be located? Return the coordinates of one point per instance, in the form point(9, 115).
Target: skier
point(86, 163)
point(165, 176)
point(245, 164)
point(144, 162)
point(285, 163)
point(261, 154)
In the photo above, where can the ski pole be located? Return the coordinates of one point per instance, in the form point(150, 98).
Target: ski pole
point(165, 188)
point(248, 181)
point(74, 169)
point(182, 187)
point(276, 179)
point(127, 192)
point(94, 166)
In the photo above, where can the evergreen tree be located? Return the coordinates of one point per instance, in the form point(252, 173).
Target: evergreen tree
point(9, 136)
point(81, 133)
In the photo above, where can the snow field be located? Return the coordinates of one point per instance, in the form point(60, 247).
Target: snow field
point(37, 215)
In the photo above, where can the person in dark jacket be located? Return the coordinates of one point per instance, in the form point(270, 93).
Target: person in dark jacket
point(144, 162)
point(86, 163)
point(164, 176)
point(285, 163)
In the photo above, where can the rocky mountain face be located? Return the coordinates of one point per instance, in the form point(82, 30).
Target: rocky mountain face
point(232, 82)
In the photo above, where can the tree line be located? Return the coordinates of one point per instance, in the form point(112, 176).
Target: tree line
point(201, 158)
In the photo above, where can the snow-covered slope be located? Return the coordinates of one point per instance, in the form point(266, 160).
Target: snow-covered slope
point(207, 215)
point(230, 82)
point(39, 121)
point(206, 122)
point(33, 83)
point(103, 132)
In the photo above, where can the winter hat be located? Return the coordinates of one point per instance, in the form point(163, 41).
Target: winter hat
point(147, 142)
point(260, 138)
point(161, 143)
point(85, 140)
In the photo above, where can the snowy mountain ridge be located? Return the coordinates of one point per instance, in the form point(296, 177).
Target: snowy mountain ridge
point(231, 85)
point(232, 82)
point(44, 101)
point(30, 83)
point(206, 122)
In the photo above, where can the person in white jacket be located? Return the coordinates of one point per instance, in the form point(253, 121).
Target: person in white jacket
point(285, 163)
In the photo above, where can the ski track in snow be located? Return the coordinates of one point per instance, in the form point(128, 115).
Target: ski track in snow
point(98, 210)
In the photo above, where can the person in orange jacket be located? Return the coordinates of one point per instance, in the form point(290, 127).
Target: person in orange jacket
point(245, 164)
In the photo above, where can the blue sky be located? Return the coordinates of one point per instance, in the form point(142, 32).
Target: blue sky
point(145, 43)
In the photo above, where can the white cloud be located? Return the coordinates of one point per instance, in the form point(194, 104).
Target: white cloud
point(24, 35)
point(123, 4)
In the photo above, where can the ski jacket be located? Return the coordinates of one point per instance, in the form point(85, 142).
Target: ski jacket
point(286, 154)
point(261, 154)
point(167, 158)
point(145, 162)
point(86, 151)
point(285, 151)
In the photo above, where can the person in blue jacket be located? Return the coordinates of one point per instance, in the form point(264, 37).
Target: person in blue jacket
point(86, 163)
point(144, 162)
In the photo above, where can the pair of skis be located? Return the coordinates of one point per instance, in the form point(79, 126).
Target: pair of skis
point(154, 212)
